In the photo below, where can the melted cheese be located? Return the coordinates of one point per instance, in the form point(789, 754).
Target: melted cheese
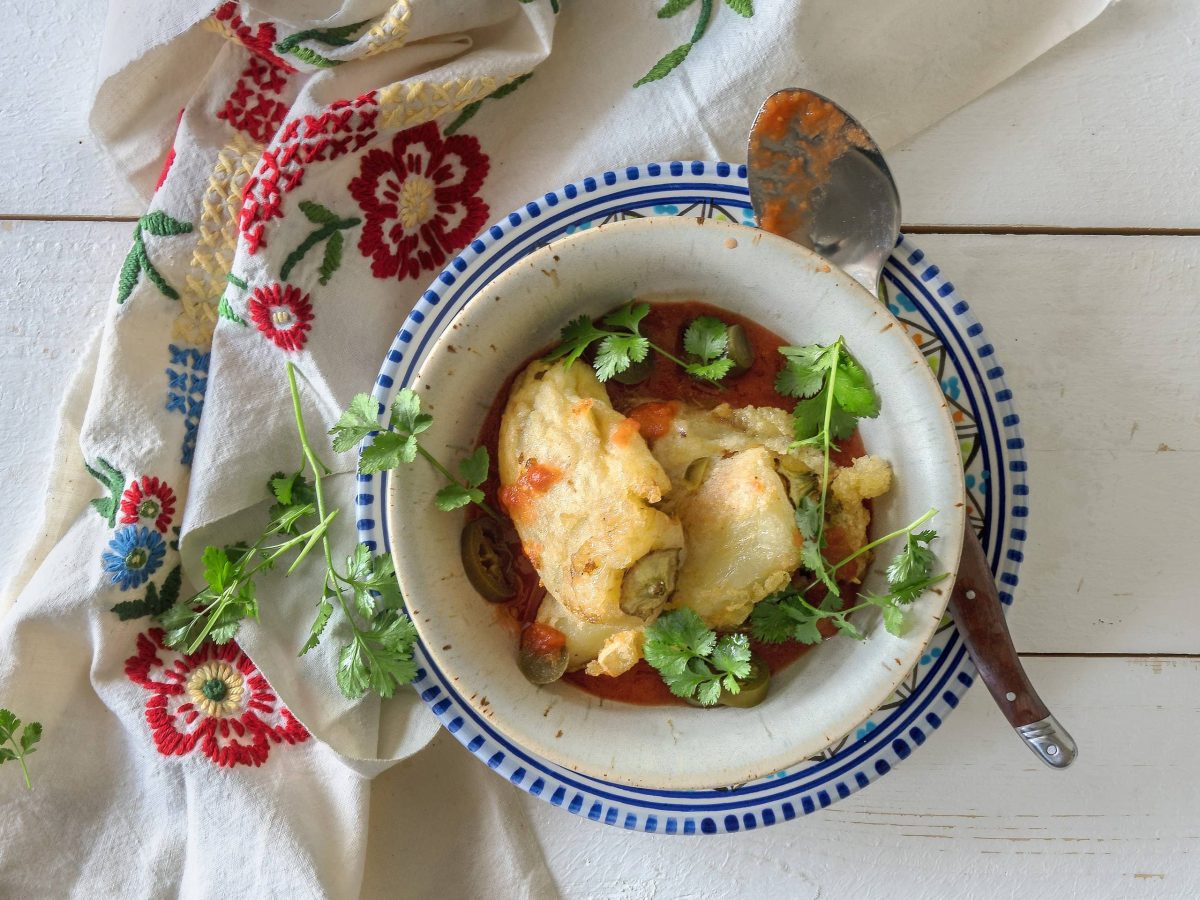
point(742, 539)
point(578, 481)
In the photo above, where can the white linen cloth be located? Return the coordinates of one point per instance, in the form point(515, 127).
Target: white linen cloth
point(182, 412)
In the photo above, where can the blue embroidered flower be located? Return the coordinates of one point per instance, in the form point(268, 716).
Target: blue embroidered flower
point(137, 552)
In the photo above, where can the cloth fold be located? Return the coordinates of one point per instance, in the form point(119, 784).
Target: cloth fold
point(309, 167)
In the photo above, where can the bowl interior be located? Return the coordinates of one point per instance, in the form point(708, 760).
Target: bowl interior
point(795, 293)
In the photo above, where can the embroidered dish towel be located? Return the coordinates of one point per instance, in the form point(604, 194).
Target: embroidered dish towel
point(309, 167)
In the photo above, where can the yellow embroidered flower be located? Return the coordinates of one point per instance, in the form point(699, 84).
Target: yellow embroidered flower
point(217, 689)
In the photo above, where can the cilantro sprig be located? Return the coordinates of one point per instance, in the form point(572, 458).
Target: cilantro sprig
point(787, 615)
point(400, 446)
point(622, 344)
point(378, 656)
point(707, 339)
point(22, 741)
point(833, 389)
point(834, 392)
point(693, 663)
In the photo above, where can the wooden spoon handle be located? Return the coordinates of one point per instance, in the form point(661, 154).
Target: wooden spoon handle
point(977, 611)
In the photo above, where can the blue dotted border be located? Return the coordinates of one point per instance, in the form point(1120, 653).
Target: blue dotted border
point(766, 801)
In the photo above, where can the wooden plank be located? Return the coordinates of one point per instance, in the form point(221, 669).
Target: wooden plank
point(1097, 336)
point(971, 814)
point(1100, 131)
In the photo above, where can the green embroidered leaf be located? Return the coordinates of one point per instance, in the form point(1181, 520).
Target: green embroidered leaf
point(130, 270)
point(313, 58)
point(332, 261)
point(673, 8)
point(155, 603)
point(236, 282)
point(338, 36)
point(470, 109)
point(114, 481)
point(225, 311)
point(666, 65)
point(316, 213)
point(330, 228)
point(159, 224)
point(741, 7)
point(153, 274)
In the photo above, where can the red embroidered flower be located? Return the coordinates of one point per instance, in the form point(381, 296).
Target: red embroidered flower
point(148, 501)
point(282, 313)
point(420, 200)
point(214, 698)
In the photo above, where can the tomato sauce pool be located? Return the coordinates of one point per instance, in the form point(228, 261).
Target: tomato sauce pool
point(664, 325)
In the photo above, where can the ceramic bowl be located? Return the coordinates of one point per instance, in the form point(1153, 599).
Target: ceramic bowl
point(802, 298)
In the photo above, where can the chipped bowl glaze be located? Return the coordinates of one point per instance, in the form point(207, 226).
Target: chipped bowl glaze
point(795, 293)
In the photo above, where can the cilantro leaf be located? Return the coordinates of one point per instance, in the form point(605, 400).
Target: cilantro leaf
point(618, 352)
point(628, 316)
point(217, 567)
point(474, 468)
point(324, 611)
point(379, 659)
point(388, 450)
point(713, 371)
point(575, 338)
point(707, 337)
point(406, 413)
point(731, 656)
point(22, 745)
point(853, 391)
point(359, 420)
point(454, 496)
point(914, 561)
point(691, 660)
point(808, 517)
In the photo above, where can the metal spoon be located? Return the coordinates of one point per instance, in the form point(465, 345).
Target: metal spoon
point(817, 178)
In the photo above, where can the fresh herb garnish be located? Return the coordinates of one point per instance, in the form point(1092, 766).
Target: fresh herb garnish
point(379, 654)
point(707, 338)
point(787, 615)
point(22, 744)
point(834, 392)
point(622, 344)
point(693, 663)
point(399, 446)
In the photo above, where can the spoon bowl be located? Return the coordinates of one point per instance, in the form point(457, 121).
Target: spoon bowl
point(818, 179)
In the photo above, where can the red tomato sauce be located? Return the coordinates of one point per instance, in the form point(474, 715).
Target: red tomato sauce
point(664, 325)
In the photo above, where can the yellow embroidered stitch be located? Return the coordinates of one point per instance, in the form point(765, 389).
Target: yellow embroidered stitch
point(216, 689)
point(390, 31)
point(405, 104)
point(217, 233)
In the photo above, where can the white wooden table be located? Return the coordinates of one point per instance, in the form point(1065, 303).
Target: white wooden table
point(1085, 166)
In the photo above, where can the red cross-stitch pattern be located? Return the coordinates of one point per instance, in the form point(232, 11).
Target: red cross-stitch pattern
point(251, 108)
point(344, 127)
